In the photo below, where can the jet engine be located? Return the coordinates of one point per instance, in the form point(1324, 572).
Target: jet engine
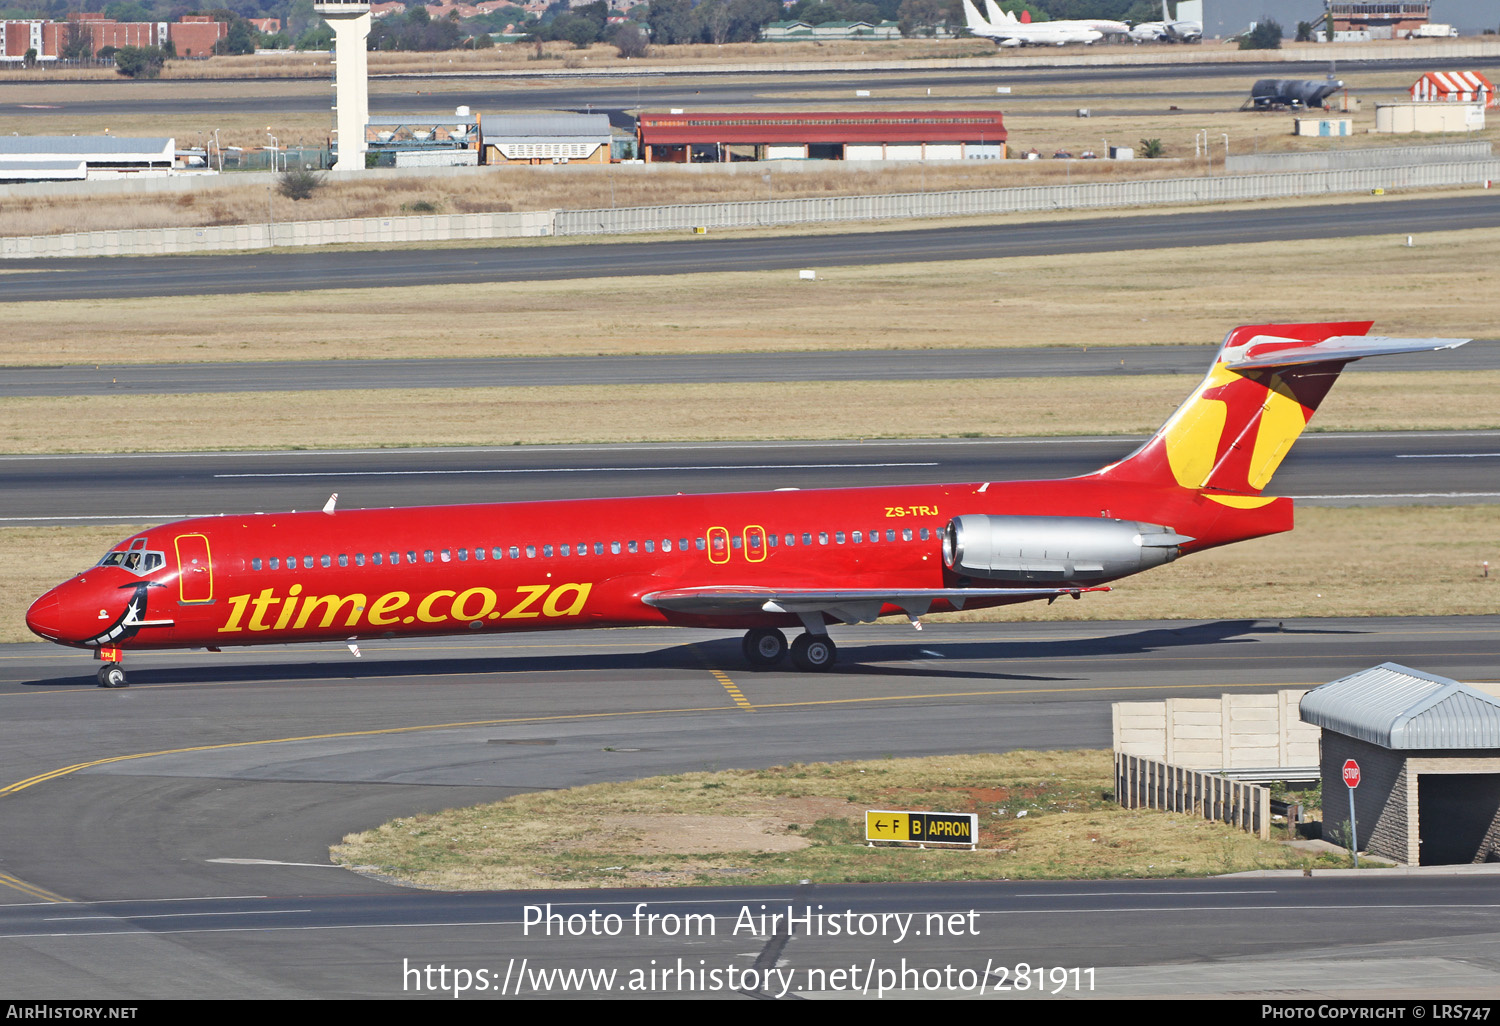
point(1021, 548)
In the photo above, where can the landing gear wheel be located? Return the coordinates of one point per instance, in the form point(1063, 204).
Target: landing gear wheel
point(764, 647)
point(112, 675)
point(815, 652)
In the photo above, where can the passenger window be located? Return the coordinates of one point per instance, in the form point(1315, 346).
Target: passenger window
point(631, 547)
point(446, 555)
point(770, 540)
point(682, 544)
point(565, 550)
point(906, 534)
point(411, 557)
point(515, 552)
point(255, 564)
point(498, 552)
point(307, 562)
point(275, 562)
point(736, 542)
point(531, 552)
point(396, 558)
point(698, 544)
point(479, 555)
point(859, 537)
point(925, 535)
point(427, 555)
point(718, 543)
point(343, 559)
point(807, 538)
point(375, 558)
point(598, 548)
point(359, 559)
point(650, 545)
point(890, 535)
point(666, 544)
point(838, 536)
point(614, 547)
point(822, 537)
point(547, 551)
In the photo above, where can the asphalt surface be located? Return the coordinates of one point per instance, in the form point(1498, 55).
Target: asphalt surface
point(202, 869)
point(1394, 468)
point(521, 372)
point(703, 88)
point(217, 274)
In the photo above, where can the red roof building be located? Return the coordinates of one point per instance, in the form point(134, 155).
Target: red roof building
point(830, 135)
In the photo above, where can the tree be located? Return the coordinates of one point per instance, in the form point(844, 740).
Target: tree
point(1152, 148)
point(631, 40)
point(78, 44)
point(139, 61)
point(1304, 31)
point(1266, 35)
point(298, 183)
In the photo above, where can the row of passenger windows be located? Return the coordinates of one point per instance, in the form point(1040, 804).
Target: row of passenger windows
point(717, 540)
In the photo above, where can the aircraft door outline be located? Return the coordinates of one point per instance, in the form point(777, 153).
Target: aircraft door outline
point(195, 573)
point(755, 543)
point(718, 545)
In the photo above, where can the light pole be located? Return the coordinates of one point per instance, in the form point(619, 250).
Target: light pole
point(275, 148)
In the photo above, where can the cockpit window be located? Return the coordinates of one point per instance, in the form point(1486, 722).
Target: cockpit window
point(136, 560)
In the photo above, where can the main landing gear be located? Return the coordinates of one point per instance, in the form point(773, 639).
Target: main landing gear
point(112, 675)
point(764, 647)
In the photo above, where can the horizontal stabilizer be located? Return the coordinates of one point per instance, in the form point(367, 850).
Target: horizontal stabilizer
point(852, 605)
point(1264, 352)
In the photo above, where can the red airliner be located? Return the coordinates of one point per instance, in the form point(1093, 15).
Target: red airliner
point(757, 561)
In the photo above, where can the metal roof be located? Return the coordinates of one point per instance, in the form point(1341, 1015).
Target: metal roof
point(1396, 707)
point(546, 127)
point(101, 145)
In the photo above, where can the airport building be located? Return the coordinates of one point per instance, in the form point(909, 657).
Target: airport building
point(1382, 19)
point(698, 137)
point(1425, 755)
point(546, 139)
point(1455, 87)
point(192, 35)
point(63, 158)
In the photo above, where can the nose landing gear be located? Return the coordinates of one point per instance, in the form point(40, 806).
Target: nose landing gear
point(111, 674)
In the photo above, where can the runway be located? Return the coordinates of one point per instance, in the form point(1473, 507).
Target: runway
point(548, 260)
point(1376, 468)
point(202, 869)
point(637, 369)
point(624, 89)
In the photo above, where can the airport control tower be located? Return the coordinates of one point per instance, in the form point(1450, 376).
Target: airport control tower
point(350, 21)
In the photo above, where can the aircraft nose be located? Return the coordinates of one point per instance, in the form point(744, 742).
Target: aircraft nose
point(45, 617)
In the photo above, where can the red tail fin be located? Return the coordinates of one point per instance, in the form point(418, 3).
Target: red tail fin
point(1267, 380)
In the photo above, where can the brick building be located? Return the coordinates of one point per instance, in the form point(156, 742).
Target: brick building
point(1428, 752)
point(192, 35)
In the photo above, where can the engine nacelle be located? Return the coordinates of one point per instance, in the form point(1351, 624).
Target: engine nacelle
point(1019, 548)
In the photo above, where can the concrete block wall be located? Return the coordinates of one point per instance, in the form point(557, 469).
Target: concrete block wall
point(1229, 732)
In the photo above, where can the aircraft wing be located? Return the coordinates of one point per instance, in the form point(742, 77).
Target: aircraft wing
point(851, 605)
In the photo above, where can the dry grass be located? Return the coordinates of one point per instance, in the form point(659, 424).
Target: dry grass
point(806, 822)
point(1445, 285)
point(502, 189)
point(700, 412)
point(1376, 561)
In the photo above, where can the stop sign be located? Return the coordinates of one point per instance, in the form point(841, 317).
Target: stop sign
point(1351, 773)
